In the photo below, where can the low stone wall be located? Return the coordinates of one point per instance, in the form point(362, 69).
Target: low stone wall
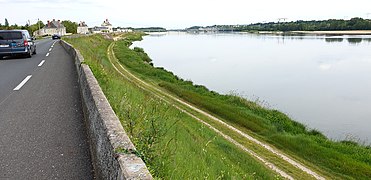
point(112, 151)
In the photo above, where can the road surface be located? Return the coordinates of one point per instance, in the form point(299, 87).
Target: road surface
point(42, 132)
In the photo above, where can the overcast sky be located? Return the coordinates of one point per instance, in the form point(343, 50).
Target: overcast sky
point(179, 14)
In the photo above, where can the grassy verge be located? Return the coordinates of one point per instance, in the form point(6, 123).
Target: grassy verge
point(173, 145)
point(339, 159)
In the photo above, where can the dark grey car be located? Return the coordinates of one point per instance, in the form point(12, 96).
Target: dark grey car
point(16, 42)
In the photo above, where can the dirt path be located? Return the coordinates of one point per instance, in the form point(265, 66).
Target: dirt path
point(162, 95)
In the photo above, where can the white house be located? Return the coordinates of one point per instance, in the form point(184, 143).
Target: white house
point(106, 27)
point(107, 24)
point(52, 27)
point(82, 28)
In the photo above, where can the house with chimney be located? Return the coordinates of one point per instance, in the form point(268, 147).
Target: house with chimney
point(106, 27)
point(82, 28)
point(52, 27)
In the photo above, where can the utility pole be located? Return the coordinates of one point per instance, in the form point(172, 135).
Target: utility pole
point(38, 23)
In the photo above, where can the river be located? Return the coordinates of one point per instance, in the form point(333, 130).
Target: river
point(323, 82)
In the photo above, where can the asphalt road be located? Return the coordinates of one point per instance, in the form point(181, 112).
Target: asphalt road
point(42, 132)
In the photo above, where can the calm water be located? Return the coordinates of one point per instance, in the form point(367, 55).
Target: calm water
point(322, 82)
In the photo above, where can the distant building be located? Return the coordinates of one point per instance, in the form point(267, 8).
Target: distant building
point(122, 29)
point(82, 28)
point(106, 27)
point(98, 29)
point(52, 27)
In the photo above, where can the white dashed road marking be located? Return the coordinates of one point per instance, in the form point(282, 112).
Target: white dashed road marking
point(41, 63)
point(22, 83)
point(47, 54)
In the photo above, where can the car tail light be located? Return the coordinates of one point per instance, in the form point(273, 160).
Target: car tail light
point(25, 43)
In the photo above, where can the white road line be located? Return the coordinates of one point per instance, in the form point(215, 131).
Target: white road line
point(41, 63)
point(50, 49)
point(22, 83)
point(47, 54)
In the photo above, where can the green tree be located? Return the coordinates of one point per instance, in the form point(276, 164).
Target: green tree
point(34, 27)
point(326, 25)
point(71, 27)
point(6, 23)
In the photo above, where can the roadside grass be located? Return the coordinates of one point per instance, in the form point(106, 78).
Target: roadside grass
point(340, 159)
point(172, 144)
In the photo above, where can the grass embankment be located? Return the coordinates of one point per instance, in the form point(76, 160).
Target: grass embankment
point(339, 159)
point(173, 145)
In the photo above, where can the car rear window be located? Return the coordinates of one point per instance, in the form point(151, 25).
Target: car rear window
point(10, 35)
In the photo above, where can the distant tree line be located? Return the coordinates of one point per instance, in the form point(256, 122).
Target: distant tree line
point(325, 25)
point(30, 27)
point(71, 27)
point(151, 29)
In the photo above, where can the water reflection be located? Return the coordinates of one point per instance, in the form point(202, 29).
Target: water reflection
point(350, 40)
point(354, 40)
point(334, 40)
point(281, 38)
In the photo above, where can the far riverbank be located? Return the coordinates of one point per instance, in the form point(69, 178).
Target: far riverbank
point(355, 32)
point(352, 32)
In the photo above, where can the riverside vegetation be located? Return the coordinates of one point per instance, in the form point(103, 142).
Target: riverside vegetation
point(355, 23)
point(175, 145)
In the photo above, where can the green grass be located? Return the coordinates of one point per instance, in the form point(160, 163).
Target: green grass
point(173, 145)
point(344, 160)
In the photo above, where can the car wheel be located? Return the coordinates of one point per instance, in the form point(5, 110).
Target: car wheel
point(29, 53)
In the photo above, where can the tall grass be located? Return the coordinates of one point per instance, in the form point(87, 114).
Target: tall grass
point(172, 144)
point(346, 160)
